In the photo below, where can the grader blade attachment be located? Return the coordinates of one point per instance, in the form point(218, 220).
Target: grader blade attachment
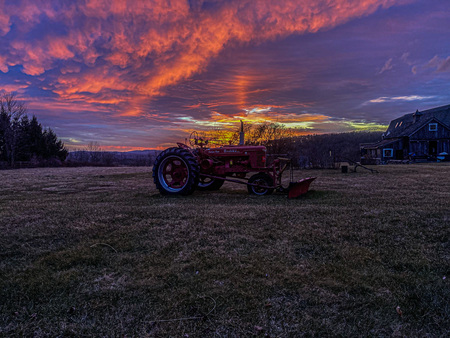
point(300, 187)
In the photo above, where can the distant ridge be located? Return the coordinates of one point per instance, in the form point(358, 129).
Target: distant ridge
point(113, 158)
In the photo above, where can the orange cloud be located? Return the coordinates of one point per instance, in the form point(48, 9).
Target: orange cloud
point(3, 66)
point(4, 20)
point(165, 43)
point(9, 88)
point(58, 49)
point(244, 21)
point(95, 86)
point(56, 107)
point(116, 56)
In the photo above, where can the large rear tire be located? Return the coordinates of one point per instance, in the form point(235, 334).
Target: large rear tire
point(207, 183)
point(176, 172)
point(261, 179)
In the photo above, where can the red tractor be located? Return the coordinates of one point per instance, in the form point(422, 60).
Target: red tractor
point(180, 170)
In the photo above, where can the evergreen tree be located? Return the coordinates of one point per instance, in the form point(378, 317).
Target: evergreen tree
point(53, 147)
point(23, 146)
point(22, 139)
point(36, 138)
point(4, 126)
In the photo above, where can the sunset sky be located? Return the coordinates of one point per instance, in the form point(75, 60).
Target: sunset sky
point(143, 74)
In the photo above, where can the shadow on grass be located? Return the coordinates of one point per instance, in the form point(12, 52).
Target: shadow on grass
point(318, 194)
point(310, 195)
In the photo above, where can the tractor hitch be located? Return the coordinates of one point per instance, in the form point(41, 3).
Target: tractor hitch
point(295, 189)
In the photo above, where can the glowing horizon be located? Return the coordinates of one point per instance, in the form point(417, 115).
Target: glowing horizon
point(143, 74)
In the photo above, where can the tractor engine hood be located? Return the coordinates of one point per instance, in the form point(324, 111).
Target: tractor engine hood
point(235, 150)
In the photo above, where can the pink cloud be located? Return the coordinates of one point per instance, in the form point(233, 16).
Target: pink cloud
point(387, 66)
point(119, 57)
point(445, 65)
point(3, 65)
point(10, 88)
point(440, 64)
point(179, 41)
point(4, 21)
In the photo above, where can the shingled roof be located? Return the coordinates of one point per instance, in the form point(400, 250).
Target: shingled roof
point(407, 124)
point(379, 144)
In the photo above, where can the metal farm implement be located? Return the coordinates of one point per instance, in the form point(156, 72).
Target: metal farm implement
point(180, 170)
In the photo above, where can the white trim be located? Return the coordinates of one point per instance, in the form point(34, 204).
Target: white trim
point(388, 149)
point(434, 125)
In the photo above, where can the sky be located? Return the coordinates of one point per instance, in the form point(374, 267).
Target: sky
point(144, 74)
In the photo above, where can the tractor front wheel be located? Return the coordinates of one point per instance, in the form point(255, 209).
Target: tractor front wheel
point(176, 172)
point(262, 179)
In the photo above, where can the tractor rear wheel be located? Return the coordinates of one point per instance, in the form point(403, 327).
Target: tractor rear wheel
point(176, 172)
point(260, 179)
point(207, 183)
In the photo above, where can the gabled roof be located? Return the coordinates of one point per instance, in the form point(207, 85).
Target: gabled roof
point(382, 143)
point(409, 123)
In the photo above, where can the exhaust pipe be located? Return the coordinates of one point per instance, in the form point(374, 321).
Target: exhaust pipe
point(242, 135)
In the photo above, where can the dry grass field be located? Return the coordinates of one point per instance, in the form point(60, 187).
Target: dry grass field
point(98, 252)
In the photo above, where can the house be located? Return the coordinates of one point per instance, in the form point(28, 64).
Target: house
point(419, 135)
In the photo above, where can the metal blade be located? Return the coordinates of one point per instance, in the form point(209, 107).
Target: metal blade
point(300, 187)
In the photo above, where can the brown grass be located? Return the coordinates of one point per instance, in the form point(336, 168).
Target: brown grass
point(98, 252)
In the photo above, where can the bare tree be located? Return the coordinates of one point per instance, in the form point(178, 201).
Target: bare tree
point(216, 137)
point(12, 107)
point(93, 146)
point(95, 151)
point(11, 112)
point(276, 137)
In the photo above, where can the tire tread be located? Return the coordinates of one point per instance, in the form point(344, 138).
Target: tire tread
point(193, 167)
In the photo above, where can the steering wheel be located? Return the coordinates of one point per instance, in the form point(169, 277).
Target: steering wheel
point(193, 139)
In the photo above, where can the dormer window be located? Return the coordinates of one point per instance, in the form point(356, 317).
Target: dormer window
point(432, 127)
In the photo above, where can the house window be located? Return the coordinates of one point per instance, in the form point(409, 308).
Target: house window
point(388, 152)
point(432, 127)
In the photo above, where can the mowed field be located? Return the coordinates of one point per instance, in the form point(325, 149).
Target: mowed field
point(98, 252)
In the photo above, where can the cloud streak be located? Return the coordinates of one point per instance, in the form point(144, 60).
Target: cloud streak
point(162, 63)
point(408, 98)
point(157, 43)
point(387, 66)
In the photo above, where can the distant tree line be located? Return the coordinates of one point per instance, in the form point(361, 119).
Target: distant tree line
point(25, 140)
point(93, 155)
point(308, 151)
point(323, 151)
